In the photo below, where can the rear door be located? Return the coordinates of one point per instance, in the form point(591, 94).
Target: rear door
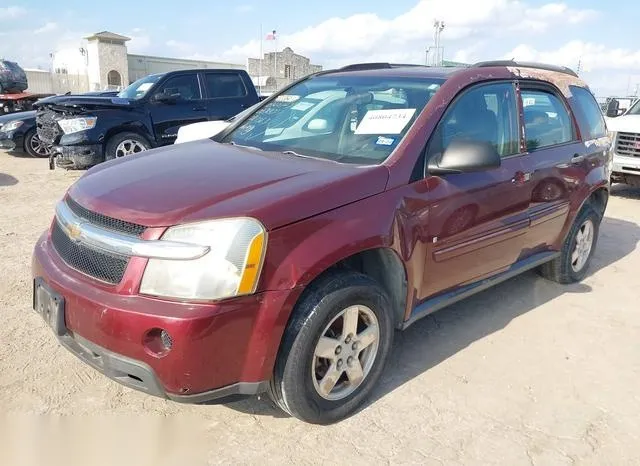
point(226, 94)
point(187, 106)
point(553, 165)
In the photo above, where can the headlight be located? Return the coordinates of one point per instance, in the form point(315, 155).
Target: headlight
point(11, 126)
point(75, 125)
point(231, 268)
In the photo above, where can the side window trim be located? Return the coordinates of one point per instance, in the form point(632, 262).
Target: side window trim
point(542, 86)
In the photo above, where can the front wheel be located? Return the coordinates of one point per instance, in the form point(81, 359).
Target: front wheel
point(334, 348)
point(34, 146)
point(124, 144)
point(577, 250)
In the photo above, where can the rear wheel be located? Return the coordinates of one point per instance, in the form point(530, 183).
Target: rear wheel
point(34, 146)
point(334, 348)
point(124, 144)
point(577, 250)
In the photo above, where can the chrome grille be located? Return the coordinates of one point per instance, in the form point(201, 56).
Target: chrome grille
point(628, 144)
point(104, 221)
point(105, 267)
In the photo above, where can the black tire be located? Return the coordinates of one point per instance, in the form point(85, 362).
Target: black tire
point(292, 386)
point(117, 139)
point(561, 270)
point(28, 145)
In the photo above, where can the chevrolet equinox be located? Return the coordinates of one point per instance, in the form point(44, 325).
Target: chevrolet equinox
point(282, 255)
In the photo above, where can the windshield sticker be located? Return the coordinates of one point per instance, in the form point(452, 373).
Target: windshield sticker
point(287, 98)
point(144, 87)
point(384, 141)
point(302, 106)
point(385, 121)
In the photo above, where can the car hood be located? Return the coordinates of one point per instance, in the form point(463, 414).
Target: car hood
point(17, 116)
point(83, 102)
point(624, 123)
point(203, 179)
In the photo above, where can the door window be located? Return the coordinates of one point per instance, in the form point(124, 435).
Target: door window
point(182, 87)
point(546, 120)
point(485, 113)
point(224, 85)
point(590, 115)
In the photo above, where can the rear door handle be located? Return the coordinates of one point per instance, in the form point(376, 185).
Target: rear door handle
point(199, 109)
point(577, 158)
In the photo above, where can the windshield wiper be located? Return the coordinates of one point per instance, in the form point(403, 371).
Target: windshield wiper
point(291, 152)
point(242, 145)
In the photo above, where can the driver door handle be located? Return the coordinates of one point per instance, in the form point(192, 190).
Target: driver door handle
point(199, 109)
point(577, 158)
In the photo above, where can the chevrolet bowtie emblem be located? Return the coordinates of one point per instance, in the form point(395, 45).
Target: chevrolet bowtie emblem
point(74, 232)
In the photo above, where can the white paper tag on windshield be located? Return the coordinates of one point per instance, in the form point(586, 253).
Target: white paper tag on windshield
point(385, 121)
point(144, 87)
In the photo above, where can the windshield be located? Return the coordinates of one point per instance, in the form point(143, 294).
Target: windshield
point(139, 88)
point(635, 109)
point(352, 119)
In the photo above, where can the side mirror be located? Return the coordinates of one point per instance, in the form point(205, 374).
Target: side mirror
point(613, 108)
point(317, 125)
point(465, 157)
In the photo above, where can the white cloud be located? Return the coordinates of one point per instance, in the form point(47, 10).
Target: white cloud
point(48, 27)
point(140, 41)
point(593, 57)
point(11, 12)
point(363, 36)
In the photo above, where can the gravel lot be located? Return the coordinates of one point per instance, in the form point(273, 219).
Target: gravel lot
point(529, 372)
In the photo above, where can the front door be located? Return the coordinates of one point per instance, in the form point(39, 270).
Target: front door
point(183, 105)
point(477, 221)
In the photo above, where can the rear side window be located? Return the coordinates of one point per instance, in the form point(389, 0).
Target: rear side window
point(221, 85)
point(589, 114)
point(546, 119)
point(484, 113)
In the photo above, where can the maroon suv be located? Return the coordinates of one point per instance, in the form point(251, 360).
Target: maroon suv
point(282, 255)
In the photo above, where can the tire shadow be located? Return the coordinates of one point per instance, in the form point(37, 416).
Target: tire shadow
point(443, 334)
point(625, 191)
point(7, 180)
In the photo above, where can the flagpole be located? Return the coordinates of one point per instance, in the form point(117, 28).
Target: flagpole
point(260, 66)
point(275, 58)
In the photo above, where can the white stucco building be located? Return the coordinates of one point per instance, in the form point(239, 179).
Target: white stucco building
point(101, 61)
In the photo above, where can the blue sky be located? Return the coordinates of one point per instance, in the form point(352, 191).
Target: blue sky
point(337, 32)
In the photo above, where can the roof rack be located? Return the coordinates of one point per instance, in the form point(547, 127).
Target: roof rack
point(375, 66)
point(523, 64)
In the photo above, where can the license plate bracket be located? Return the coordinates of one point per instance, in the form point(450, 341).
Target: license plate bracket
point(50, 306)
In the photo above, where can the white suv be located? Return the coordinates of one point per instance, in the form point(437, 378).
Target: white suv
point(625, 134)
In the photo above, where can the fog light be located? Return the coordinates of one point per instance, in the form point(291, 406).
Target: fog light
point(157, 342)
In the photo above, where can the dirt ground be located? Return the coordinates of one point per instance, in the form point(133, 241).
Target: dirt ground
point(528, 373)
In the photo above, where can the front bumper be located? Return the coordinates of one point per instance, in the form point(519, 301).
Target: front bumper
point(625, 169)
point(77, 157)
point(11, 140)
point(219, 350)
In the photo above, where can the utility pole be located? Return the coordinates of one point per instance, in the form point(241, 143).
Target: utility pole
point(438, 27)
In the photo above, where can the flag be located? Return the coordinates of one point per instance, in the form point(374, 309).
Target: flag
point(271, 36)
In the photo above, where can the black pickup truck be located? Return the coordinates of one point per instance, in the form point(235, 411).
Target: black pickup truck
point(84, 131)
